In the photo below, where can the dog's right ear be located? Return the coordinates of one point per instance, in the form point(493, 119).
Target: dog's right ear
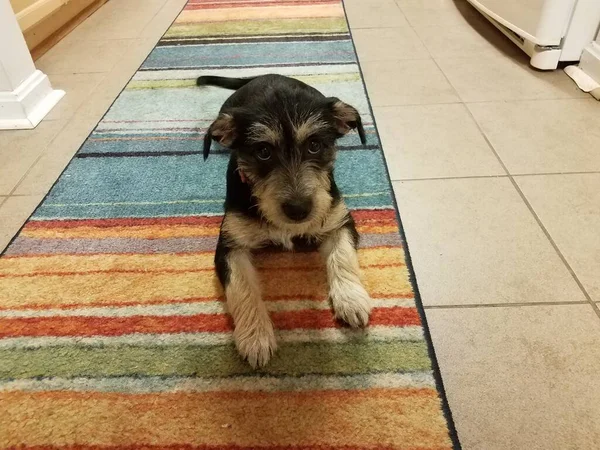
point(223, 130)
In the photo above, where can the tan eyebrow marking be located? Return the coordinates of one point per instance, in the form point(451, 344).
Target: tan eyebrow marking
point(310, 126)
point(260, 132)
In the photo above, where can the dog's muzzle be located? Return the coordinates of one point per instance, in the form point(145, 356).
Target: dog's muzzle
point(297, 209)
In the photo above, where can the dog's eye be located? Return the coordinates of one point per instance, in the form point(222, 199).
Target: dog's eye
point(314, 147)
point(264, 154)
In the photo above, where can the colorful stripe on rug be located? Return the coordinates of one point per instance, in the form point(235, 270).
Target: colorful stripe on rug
point(113, 332)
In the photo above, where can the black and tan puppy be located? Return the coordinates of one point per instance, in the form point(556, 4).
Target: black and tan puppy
point(280, 187)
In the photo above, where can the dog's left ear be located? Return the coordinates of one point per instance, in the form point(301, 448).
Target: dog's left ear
point(346, 118)
point(223, 130)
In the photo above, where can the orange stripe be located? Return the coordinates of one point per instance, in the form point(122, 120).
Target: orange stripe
point(219, 447)
point(310, 268)
point(169, 301)
point(355, 419)
point(180, 263)
point(208, 252)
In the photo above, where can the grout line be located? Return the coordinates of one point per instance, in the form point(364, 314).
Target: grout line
point(556, 248)
point(555, 173)
point(408, 25)
point(42, 153)
point(538, 220)
point(523, 100)
point(505, 305)
point(466, 177)
point(507, 172)
point(398, 105)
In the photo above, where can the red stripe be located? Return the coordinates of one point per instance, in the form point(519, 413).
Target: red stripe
point(126, 222)
point(209, 323)
point(359, 216)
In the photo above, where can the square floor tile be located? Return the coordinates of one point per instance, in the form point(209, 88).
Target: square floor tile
point(521, 377)
point(569, 208)
point(474, 241)
point(44, 173)
point(76, 55)
point(501, 76)
point(19, 150)
point(474, 36)
point(119, 20)
point(547, 136)
point(374, 14)
point(383, 44)
point(439, 13)
point(433, 141)
point(13, 214)
point(77, 87)
point(429, 4)
point(163, 19)
point(398, 82)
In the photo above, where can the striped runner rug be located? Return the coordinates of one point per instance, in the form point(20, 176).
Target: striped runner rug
point(113, 332)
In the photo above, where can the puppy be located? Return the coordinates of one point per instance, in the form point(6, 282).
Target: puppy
point(280, 188)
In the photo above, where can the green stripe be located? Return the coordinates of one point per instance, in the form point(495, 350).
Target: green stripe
point(259, 27)
point(219, 361)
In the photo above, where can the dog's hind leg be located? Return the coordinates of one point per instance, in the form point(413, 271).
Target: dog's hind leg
point(253, 334)
point(350, 300)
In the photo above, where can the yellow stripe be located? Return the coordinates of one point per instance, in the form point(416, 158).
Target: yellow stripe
point(259, 27)
point(390, 417)
point(83, 263)
point(110, 288)
point(146, 231)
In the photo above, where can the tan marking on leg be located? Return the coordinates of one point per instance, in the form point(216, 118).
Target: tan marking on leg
point(253, 334)
point(350, 300)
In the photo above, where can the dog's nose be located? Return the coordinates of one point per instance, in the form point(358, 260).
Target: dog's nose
point(297, 209)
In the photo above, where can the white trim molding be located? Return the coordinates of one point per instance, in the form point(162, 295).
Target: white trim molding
point(587, 73)
point(590, 60)
point(26, 95)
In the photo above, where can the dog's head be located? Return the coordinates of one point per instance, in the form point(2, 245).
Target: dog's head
point(285, 149)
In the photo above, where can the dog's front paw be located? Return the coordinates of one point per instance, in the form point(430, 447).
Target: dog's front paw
point(256, 345)
point(351, 303)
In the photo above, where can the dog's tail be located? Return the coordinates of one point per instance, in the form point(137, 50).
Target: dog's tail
point(224, 82)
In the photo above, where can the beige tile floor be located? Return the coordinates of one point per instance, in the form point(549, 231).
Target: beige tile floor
point(496, 169)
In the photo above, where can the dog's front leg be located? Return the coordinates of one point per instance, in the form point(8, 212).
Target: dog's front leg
point(350, 300)
point(253, 334)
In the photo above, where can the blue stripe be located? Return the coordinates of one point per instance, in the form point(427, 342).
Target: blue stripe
point(190, 142)
point(186, 180)
point(263, 53)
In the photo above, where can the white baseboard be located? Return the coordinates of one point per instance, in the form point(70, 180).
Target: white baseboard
point(26, 106)
point(590, 61)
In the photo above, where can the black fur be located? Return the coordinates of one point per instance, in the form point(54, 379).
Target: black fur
point(267, 99)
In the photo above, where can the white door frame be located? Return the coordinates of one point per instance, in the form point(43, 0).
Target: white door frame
point(26, 95)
